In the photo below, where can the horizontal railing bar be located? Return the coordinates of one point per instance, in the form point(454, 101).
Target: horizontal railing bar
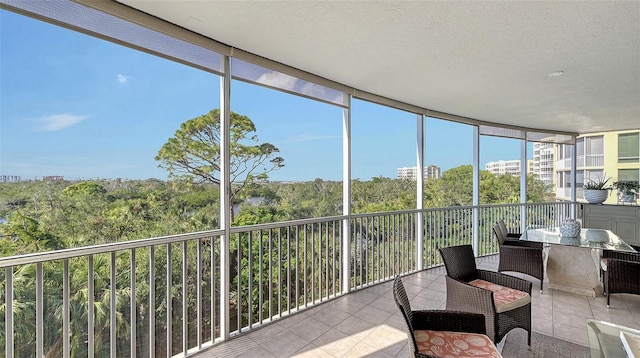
point(103, 248)
point(385, 213)
point(281, 224)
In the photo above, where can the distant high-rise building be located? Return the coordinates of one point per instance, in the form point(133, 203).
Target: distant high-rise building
point(543, 162)
point(431, 171)
point(53, 178)
point(501, 167)
point(9, 178)
point(541, 165)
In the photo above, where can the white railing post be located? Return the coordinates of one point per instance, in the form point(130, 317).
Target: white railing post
point(66, 317)
point(152, 302)
point(8, 312)
point(133, 334)
point(40, 310)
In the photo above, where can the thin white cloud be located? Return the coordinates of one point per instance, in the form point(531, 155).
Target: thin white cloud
point(122, 78)
point(56, 122)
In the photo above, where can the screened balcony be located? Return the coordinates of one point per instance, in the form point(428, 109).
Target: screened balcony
point(212, 280)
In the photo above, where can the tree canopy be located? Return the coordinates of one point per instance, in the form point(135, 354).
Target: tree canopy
point(194, 151)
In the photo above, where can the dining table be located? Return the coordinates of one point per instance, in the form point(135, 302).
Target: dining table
point(573, 263)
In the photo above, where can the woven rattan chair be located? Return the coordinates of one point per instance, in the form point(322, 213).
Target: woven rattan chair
point(463, 293)
point(435, 320)
point(505, 232)
point(520, 256)
point(621, 272)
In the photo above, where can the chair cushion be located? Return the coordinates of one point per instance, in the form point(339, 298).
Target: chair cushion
point(455, 344)
point(504, 298)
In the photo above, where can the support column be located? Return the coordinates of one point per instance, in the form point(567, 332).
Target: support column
point(572, 210)
point(476, 189)
point(346, 195)
point(523, 185)
point(225, 195)
point(420, 192)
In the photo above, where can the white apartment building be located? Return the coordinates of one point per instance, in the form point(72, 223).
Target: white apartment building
point(431, 171)
point(543, 163)
point(9, 178)
point(614, 155)
point(501, 167)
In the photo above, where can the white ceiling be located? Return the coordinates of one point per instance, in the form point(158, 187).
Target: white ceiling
point(486, 60)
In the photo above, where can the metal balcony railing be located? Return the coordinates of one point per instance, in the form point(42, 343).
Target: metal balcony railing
point(162, 296)
point(594, 160)
point(566, 163)
point(587, 160)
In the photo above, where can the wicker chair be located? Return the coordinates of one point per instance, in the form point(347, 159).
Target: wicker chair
point(621, 272)
point(509, 235)
point(520, 256)
point(463, 294)
point(434, 320)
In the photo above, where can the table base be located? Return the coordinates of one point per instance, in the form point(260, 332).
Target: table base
point(574, 269)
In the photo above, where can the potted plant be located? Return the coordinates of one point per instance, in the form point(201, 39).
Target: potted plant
point(627, 190)
point(596, 191)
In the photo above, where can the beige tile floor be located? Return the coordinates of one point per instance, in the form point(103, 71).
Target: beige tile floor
point(367, 322)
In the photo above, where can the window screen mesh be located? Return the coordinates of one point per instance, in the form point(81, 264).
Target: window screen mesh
point(628, 175)
point(580, 175)
point(105, 25)
point(629, 148)
point(594, 175)
point(580, 146)
point(530, 136)
point(257, 74)
point(501, 132)
point(594, 145)
point(550, 138)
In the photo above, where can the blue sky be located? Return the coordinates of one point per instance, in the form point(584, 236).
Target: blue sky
point(83, 108)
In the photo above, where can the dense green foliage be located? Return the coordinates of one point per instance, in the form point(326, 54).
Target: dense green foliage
point(66, 214)
point(48, 215)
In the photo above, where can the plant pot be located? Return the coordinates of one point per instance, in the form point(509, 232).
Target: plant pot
point(628, 197)
point(595, 196)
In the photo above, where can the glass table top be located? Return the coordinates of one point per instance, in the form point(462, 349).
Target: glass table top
point(589, 238)
point(604, 339)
